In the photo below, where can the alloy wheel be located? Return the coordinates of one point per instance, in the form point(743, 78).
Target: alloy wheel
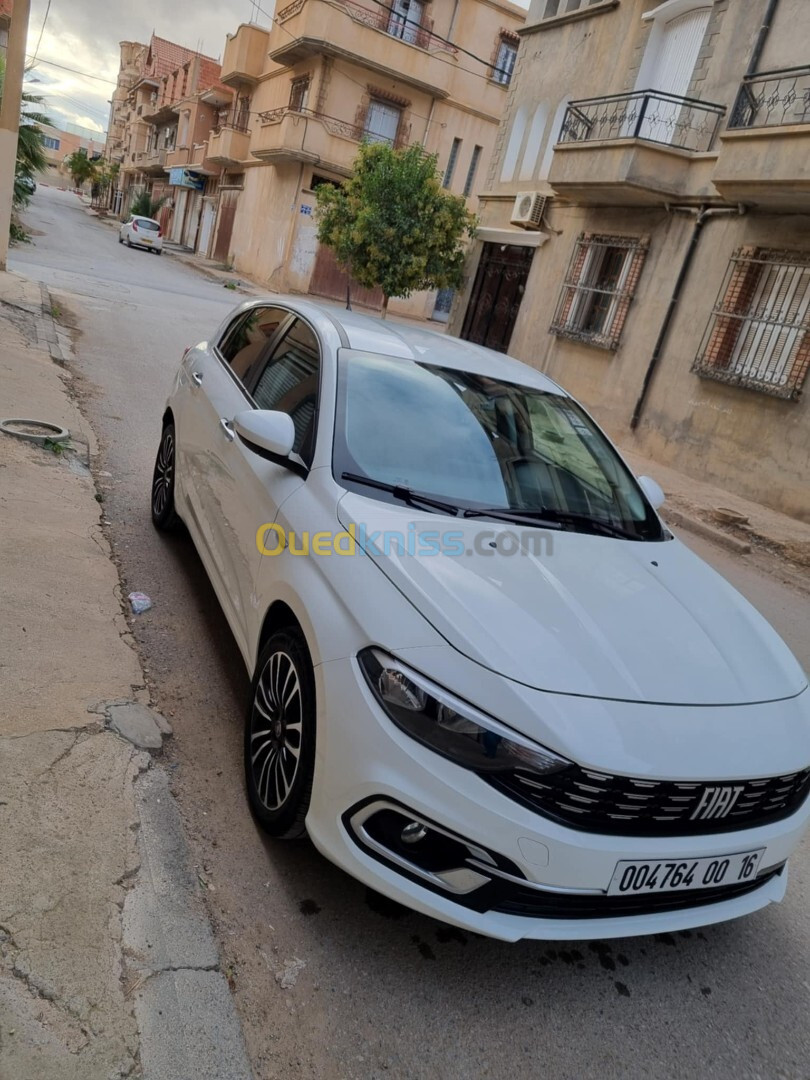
point(163, 482)
point(276, 730)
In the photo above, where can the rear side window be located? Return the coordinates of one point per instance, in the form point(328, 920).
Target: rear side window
point(289, 382)
point(245, 343)
point(147, 226)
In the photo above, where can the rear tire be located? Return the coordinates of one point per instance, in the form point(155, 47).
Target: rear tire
point(120, 239)
point(280, 736)
point(164, 515)
point(129, 242)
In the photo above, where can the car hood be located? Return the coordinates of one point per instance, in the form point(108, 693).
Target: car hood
point(580, 614)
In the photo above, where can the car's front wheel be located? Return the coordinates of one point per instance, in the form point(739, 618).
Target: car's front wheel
point(120, 239)
point(164, 516)
point(280, 736)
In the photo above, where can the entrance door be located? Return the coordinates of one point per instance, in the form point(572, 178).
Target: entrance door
point(496, 295)
point(227, 212)
point(674, 58)
point(206, 228)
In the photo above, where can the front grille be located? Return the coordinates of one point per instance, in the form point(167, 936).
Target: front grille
point(518, 900)
point(622, 805)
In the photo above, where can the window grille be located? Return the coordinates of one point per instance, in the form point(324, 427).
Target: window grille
point(599, 287)
point(451, 163)
point(468, 183)
point(299, 89)
point(757, 336)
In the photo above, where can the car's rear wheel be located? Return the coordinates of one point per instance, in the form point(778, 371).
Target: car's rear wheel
point(164, 515)
point(280, 736)
point(120, 239)
point(129, 242)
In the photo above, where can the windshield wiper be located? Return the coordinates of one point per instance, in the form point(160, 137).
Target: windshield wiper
point(537, 518)
point(412, 498)
point(548, 518)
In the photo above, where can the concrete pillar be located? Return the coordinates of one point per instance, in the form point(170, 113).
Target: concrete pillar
point(10, 116)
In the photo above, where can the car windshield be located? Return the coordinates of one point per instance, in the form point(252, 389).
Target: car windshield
point(485, 446)
point(147, 225)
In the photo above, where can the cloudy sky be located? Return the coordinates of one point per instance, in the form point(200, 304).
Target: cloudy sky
point(84, 35)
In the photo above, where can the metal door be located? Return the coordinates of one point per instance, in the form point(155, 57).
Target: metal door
point(227, 212)
point(496, 295)
point(330, 279)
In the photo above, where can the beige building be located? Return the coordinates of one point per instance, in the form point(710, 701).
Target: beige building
point(645, 230)
point(160, 122)
point(329, 74)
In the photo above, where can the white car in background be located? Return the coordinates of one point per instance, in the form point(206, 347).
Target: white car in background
point(516, 703)
point(142, 232)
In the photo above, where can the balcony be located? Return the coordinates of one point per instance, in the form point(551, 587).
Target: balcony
point(639, 149)
point(765, 151)
point(288, 135)
point(229, 144)
point(341, 28)
point(245, 52)
point(153, 162)
point(177, 158)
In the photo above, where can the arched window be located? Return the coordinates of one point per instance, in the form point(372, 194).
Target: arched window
point(514, 144)
point(534, 142)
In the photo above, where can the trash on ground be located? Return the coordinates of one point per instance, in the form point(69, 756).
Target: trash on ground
point(140, 602)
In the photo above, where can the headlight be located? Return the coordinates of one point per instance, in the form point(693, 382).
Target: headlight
point(448, 725)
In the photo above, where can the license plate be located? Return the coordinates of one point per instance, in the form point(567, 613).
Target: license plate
point(677, 875)
point(147, 241)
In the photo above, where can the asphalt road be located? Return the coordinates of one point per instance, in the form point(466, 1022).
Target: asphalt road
point(381, 992)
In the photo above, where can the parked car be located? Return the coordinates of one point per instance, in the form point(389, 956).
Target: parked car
point(142, 232)
point(28, 183)
point(486, 679)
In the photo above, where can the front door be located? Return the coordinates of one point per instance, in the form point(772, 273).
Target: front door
point(496, 295)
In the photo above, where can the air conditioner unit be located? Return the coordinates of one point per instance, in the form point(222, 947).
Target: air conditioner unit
point(528, 209)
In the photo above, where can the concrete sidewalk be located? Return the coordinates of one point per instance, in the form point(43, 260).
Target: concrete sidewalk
point(108, 967)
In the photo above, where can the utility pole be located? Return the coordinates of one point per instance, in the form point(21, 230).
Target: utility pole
point(10, 116)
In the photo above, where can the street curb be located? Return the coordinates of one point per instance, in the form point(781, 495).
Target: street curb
point(47, 334)
point(708, 532)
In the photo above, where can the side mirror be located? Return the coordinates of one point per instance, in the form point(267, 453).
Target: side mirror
point(266, 430)
point(652, 490)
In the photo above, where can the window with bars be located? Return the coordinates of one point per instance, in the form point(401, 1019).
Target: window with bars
point(468, 183)
point(299, 90)
point(599, 287)
point(451, 163)
point(758, 335)
point(504, 62)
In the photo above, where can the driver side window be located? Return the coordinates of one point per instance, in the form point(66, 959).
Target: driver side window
point(288, 382)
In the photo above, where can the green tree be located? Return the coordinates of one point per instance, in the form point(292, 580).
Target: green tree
point(143, 205)
point(81, 168)
point(392, 225)
point(30, 153)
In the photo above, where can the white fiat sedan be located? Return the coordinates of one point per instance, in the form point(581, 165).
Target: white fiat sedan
point(487, 680)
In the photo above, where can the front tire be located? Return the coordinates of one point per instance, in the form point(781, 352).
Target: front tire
point(120, 239)
point(164, 515)
point(280, 736)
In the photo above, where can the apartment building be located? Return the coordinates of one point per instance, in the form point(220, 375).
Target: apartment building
point(328, 75)
point(159, 131)
point(645, 232)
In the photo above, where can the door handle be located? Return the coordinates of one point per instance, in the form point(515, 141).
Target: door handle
point(227, 427)
point(196, 378)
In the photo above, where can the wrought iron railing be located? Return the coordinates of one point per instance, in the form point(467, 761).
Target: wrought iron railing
point(236, 119)
point(652, 115)
point(773, 99)
point(332, 124)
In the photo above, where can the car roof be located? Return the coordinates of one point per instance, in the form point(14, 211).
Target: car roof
point(143, 217)
point(367, 333)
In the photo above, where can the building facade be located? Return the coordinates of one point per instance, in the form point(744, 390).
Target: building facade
point(328, 75)
point(645, 232)
point(59, 144)
point(159, 128)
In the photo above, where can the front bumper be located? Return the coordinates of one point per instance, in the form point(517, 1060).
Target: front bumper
point(550, 881)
